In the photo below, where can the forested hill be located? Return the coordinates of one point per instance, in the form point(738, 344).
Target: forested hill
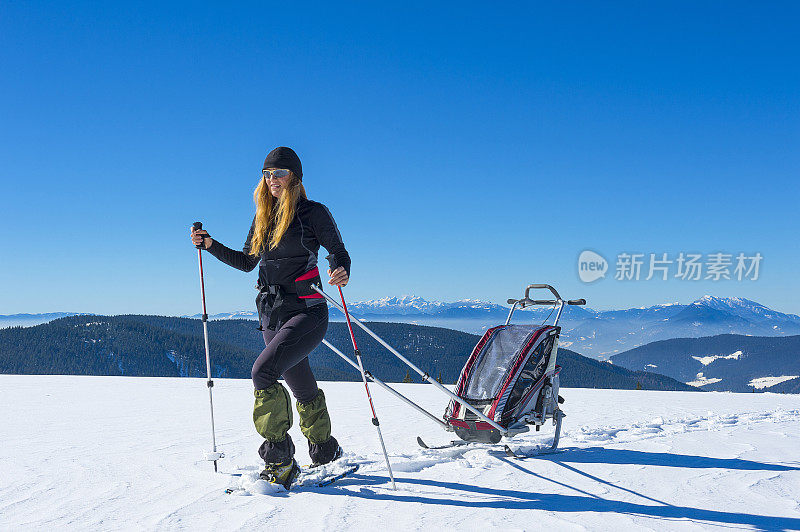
point(725, 362)
point(138, 345)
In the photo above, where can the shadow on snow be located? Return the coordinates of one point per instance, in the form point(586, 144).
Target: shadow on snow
point(600, 455)
point(584, 501)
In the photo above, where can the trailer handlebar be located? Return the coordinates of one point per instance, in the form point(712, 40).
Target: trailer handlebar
point(527, 301)
point(544, 287)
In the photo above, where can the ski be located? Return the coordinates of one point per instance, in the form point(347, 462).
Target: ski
point(309, 479)
point(456, 443)
point(511, 454)
point(330, 480)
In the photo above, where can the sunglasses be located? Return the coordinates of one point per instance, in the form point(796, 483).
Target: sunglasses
point(277, 173)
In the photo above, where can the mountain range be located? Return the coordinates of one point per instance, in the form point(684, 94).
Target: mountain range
point(29, 320)
point(595, 333)
point(136, 345)
point(167, 346)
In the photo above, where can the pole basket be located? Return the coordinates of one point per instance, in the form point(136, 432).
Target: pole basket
point(213, 456)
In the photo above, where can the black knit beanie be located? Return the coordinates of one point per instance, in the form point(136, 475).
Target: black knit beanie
point(284, 157)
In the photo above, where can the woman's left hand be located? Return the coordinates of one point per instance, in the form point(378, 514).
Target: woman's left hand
point(339, 277)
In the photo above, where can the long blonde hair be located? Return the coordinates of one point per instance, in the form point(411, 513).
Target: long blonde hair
point(273, 215)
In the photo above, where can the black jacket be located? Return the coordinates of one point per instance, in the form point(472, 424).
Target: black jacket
point(296, 254)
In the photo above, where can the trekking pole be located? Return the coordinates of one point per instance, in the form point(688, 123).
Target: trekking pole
point(214, 455)
point(366, 387)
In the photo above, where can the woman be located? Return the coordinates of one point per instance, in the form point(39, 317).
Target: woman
point(285, 236)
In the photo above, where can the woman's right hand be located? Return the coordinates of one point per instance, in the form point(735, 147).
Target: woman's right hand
point(200, 236)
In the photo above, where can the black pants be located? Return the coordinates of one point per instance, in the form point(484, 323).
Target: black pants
point(287, 349)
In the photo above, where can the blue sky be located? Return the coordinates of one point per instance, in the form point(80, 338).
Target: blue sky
point(464, 151)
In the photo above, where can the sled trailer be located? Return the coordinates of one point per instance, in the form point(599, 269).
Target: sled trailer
point(510, 380)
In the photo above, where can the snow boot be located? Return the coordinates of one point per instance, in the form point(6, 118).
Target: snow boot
point(277, 452)
point(284, 473)
point(324, 453)
point(315, 423)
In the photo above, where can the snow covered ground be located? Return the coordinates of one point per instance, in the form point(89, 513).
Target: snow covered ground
point(105, 453)
point(702, 380)
point(768, 382)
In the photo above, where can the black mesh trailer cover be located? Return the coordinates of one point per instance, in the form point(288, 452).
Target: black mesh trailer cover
point(503, 374)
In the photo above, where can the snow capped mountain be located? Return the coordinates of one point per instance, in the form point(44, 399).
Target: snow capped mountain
point(727, 303)
point(238, 315)
point(406, 305)
point(403, 305)
point(654, 312)
point(616, 331)
point(593, 333)
point(700, 315)
point(744, 308)
point(415, 305)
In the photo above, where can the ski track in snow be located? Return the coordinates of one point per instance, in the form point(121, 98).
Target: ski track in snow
point(110, 453)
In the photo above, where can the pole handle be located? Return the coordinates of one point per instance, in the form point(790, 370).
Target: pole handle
point(332, 264)
point(197, 226)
